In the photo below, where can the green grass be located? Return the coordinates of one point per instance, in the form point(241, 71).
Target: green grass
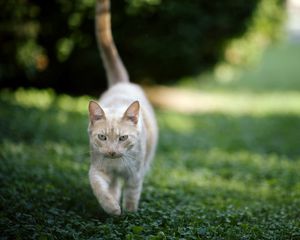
point(224, 173)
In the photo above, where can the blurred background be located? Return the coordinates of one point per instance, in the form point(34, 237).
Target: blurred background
point(224, 77)
point(51, 44)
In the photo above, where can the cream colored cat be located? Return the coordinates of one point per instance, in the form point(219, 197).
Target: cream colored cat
point(123, 131)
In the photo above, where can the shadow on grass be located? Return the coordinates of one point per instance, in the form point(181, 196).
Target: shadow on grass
point(35, 125)
point(276, 133)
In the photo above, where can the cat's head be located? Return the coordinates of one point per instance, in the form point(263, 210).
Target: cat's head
point(113, 132)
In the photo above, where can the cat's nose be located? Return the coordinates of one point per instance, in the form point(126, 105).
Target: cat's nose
point(112, 153)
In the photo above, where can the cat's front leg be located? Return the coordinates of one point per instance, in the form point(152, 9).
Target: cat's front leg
point(115, 189)
point(132, 193)
point(100, 183)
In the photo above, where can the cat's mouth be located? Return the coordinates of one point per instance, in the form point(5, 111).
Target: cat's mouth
point(112, 155)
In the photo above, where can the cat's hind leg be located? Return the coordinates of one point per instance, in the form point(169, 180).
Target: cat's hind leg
point(131, 195)
point(100, 183)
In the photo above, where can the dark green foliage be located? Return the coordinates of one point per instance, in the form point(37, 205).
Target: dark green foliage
point(51, 43)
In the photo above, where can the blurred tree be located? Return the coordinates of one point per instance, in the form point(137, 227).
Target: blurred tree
point(52, 44)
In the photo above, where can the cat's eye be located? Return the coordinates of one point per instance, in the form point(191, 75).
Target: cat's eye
point(123, 138)
point(102, 137)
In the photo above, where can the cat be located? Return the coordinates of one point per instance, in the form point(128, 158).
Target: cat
point(122, 129)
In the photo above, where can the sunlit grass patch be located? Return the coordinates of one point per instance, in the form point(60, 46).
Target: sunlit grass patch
point(249, 173)
point(226, 102)
point(45, 99)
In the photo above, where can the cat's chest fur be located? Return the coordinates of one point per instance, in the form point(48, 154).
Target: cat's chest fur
point(125, 167)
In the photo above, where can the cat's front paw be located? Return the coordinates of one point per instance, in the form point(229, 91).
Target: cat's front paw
point(115, 211)
point(112, 209)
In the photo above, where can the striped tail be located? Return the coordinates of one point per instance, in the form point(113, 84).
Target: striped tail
point(115, 69)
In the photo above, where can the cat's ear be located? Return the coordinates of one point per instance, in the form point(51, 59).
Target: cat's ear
point(96, 112)
point(132, 112)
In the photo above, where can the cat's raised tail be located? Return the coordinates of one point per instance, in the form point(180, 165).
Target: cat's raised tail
point(115, 69)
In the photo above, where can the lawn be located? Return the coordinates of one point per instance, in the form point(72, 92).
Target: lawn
point(230, 172)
